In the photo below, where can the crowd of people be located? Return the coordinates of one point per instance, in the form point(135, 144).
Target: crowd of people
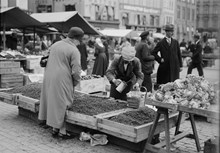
point(130, 69)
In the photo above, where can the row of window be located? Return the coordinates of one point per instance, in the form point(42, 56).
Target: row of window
point(188, 1)
point(187, 13)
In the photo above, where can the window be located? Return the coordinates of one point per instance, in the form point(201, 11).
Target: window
point(178, 12)
point(205, 22)
point(188, 13)
point(70, 8)
point(151, 20)
point(206, 9)
point(183, 13)
point(193, 15)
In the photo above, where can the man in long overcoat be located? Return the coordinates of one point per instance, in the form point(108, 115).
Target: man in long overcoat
point(170, 61)
point(62, 74)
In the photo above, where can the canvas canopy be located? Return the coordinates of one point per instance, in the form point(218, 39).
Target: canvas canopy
point(13, 17)
point(129, 33)
point(63, 21)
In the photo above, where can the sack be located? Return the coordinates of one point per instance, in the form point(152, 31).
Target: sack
point(43, 61)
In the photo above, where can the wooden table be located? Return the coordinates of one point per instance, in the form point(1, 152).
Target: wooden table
point(163, 108)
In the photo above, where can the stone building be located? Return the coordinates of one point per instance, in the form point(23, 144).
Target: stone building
point(185, 19)
point(208, 19)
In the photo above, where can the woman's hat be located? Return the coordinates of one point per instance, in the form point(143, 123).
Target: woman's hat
point(99, 42)
point(75, 32)
point(128, 53)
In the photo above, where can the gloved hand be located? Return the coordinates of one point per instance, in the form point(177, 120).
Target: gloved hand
point(136, 86)
point(116, 81)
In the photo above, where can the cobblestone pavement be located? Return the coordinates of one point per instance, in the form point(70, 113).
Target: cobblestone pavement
point(22, 135)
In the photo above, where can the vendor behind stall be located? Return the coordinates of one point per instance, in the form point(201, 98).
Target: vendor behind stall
point(124, 72)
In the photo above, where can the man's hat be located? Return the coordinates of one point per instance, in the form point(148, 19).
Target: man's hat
point(196, 36)
point(145, 33)
point(169, 27)
point(103, 37)
point(128, 53)
point(75, 32)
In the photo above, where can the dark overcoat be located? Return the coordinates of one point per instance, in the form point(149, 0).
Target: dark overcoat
point(84, 55)
point(168, 71)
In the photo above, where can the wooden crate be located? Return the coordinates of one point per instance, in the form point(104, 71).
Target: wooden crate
point(9, 70)
point(9, 67)
point(133, 133)
point(90, 121)
point(9, 64)
point(92, 85)
point(28, 103)
point(8, 98)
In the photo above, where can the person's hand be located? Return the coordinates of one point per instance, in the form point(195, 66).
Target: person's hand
point(162, 60)
point(136, 86)
point(116, 81)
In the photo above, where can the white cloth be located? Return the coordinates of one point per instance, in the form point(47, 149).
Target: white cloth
point(62, 73)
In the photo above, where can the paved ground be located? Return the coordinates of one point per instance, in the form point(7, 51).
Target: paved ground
point(22, 135)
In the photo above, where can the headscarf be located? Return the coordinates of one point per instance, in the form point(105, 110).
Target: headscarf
point(99, 42)
point(128, 53)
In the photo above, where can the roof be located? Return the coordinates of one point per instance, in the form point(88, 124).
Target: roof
point(14, 17)
point(63, 21)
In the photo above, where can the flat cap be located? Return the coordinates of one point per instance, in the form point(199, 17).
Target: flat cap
point(75, 32)
point(169, 27)
point(145, 33)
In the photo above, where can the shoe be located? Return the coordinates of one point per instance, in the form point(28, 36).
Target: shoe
point(66, 136)
point(55, 134)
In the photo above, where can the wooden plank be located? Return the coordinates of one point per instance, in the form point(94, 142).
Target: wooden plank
point(160, 104)
point(173, 139)
point(81, 119)
point(143, 130)
point(113, 113)
point(10, 76)
point(113, 124)
point(8, 98)
point(9, 70)
point(117, 132)
point(9, 64)
point(11, 84)
point(28, 103)
point(201, 112)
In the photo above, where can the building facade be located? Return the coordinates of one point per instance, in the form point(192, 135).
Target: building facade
point(140, 15)
point(185, 19)
point(208, 19)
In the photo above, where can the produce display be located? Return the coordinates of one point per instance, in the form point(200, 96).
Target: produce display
point(88, 105)
point(83, 103)
point(88, 77)
point(135, 117)
point(32, 90)
point(192, 91)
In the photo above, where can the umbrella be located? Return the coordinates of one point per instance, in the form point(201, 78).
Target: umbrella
point(63, 21)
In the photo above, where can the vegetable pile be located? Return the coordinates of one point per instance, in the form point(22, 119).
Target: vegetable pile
point(135, 117)
point(88, 77)
point(192, 91)
point(32, 90)
point(88, 105)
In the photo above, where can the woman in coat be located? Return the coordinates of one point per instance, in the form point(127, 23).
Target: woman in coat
point(101, 62)
point(126, 68)
point(62, 74)
point(170, 60)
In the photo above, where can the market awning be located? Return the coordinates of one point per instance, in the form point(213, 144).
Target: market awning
point(13, 17)
point(63, 21)
point(129, 33)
